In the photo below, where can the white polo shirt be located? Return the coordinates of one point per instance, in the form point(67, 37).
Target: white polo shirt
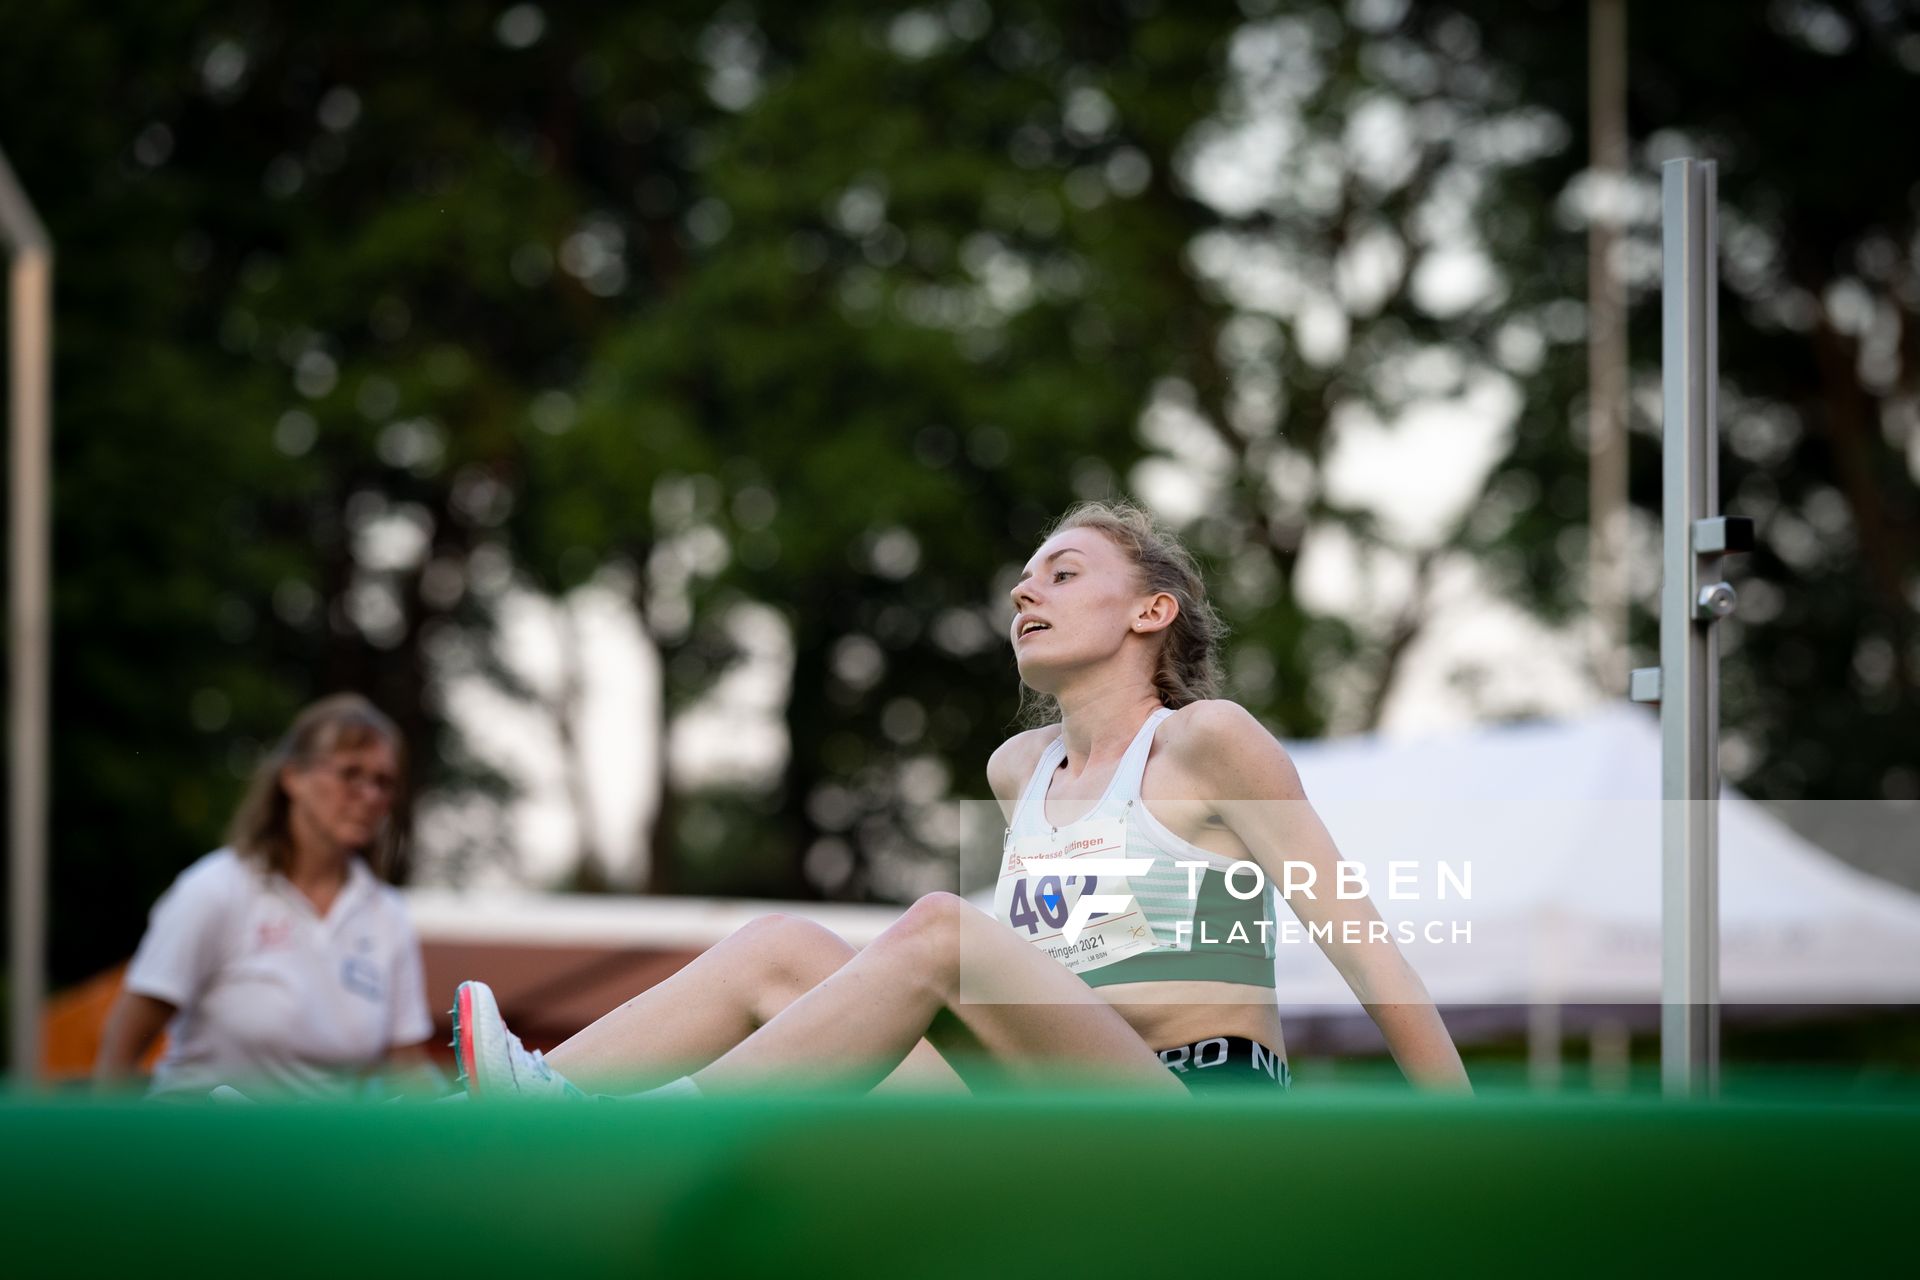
point(273, 996)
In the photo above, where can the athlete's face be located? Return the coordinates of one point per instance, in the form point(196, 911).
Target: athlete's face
point(1078, 602)
point(346, 795)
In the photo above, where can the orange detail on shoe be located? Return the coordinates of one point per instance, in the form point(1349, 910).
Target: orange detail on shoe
point(465, 1047)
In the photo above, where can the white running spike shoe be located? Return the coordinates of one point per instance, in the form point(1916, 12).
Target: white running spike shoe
point(493, 1062)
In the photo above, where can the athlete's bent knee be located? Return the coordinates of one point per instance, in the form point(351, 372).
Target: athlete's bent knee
point(926, 939)
point(796, 944)
point(779, 926)
point(789, 955)
point(939, 911)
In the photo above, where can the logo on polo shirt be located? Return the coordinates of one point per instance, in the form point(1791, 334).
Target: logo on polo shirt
point(272, 935)
point(362, 977)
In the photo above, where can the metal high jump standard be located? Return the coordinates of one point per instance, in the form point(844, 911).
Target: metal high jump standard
point(1695, 537)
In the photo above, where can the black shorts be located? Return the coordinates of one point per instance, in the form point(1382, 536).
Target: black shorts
point(1222, 1064)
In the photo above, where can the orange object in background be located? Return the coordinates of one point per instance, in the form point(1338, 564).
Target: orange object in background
point(71, 1025)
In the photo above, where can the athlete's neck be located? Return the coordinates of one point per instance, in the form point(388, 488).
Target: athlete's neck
point(1099, 723)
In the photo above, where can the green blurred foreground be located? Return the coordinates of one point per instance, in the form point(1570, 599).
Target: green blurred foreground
point(1040, 1183)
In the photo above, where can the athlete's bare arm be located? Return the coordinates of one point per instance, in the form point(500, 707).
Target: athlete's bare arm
point(1249, 780)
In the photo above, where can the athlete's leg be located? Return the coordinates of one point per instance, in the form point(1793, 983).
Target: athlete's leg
point(715, 1002)
point(1018, 1008)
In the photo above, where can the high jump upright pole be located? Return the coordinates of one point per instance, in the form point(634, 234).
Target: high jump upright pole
point(1693, 596)
point(30, 377)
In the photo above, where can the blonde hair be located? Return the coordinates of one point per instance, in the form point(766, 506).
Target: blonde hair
point(1187, 666)
point(260, 829)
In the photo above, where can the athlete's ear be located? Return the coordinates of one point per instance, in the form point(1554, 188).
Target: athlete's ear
point(1156, 614)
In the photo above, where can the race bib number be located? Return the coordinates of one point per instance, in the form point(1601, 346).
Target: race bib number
point(1068, 894)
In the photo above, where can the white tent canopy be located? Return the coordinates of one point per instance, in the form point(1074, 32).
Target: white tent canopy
point(1557, 827)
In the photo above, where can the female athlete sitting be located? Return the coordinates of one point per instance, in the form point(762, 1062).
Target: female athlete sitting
point(1169, 985)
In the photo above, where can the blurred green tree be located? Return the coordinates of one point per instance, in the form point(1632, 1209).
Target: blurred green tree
point(1820, 369)
point(322, 275)
point(924, 306)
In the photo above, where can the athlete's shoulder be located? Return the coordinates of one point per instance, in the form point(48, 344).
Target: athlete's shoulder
point(1221, 741)
point(1012, 762)
point(1213, 721)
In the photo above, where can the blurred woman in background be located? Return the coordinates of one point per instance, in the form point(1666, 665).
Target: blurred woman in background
point(279, 962)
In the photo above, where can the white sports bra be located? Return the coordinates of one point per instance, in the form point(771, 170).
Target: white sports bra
point(1208, 936)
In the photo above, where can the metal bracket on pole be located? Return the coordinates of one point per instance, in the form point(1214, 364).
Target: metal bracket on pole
point(1693, 597)
point(30, 375)
point(1712, 601)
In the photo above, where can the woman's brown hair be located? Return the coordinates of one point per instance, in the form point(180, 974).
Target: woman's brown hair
point(1187, 668)
point(260, 827)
